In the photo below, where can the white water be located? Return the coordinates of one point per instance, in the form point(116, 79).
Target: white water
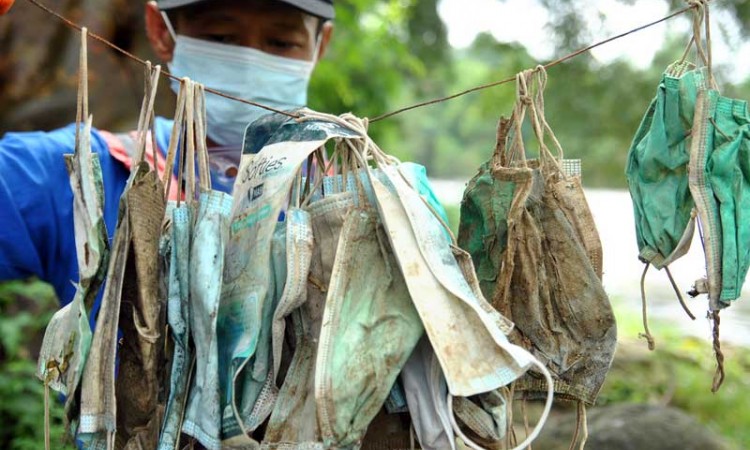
point(613, 213)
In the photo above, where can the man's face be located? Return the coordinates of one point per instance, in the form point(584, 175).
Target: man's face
point(267, 25)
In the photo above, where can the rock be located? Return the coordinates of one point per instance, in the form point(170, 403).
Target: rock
point(631, 427)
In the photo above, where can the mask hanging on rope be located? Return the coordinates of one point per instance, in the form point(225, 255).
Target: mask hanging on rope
point(548, 283)
point(178, 294)
point(67, 339)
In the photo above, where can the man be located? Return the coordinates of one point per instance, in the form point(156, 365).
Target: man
point(260, 50)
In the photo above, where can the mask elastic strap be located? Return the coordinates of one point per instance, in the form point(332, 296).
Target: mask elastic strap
point(318, 42)
point(168, 23)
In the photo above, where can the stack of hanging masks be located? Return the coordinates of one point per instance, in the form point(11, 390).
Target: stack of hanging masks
point(289, 315)
point(117, 382)
point(528, 228)
point(688, 162)
point(86, 365)
point(333, 272)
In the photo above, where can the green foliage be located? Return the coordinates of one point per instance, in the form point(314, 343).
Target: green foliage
point(394, 53)
point(679, 373)
point(25, 309)
point(454, 215)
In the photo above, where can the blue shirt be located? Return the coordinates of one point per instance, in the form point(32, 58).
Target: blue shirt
point(36, 203)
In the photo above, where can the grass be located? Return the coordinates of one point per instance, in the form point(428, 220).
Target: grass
point(679, 373)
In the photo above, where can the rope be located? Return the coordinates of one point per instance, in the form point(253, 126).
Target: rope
point(693, 4)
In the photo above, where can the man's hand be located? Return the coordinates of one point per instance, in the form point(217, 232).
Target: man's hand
point(5, 6)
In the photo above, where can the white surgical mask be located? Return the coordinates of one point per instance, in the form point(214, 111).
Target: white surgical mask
point(242, 72)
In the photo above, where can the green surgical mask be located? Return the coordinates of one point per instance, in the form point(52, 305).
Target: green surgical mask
point(657, 169)
point(720, 184)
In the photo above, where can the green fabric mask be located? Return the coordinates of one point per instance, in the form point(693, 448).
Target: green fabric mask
point(720, 184)
point(657, 168)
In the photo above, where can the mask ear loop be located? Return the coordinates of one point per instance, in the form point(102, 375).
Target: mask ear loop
point(168, 24)
point(701, 14)
point(200, 129)
point(174, 140)
point(372, 150)
point(543, 126)
point(537, 429)
point(319, 181)
point(145, 122)
point(82, 103)
point(547, 162)
point(516, 152)
point(190, 141)
point(501, 141)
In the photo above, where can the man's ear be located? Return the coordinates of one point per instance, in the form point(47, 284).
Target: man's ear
point(158, 33)
point(325, 37)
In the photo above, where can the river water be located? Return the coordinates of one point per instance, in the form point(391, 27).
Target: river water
point(613, 213)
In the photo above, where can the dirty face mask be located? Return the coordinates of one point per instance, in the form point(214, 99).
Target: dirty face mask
point(178, 317)
point(657, 168)
point(263, 185)
point(547, 268)
point(203, 415)
point(294, 419)
point(447, 273)
point(140, 371)
point(179, 236)
point(719, 166)
point(67, 339)
point(448, 320)
point(99, 403)
point(369, 314)
point(210, 236)
point(484, 417)
point(299, 248)
point(257, 383)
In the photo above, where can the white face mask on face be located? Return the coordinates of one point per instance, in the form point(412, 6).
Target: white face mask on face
point(242, 72)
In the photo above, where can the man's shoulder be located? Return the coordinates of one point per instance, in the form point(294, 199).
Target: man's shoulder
point(40, 145)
